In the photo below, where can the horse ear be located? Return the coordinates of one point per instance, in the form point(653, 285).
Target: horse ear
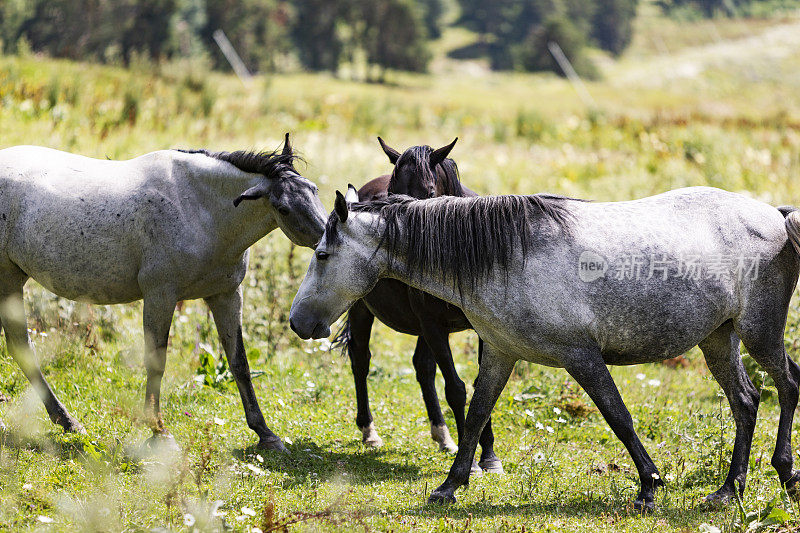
point(440, 154)
point(393, 154)
point(253, 193)
point(351, 196)
point(287, 148)
point(340, 207)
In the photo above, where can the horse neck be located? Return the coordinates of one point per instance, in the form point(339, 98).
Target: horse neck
point(236, 228)
point(394, 266)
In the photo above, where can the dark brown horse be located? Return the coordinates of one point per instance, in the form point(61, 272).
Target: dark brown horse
point(421, 172)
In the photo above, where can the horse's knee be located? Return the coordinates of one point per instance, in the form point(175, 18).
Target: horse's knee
point(456, 392)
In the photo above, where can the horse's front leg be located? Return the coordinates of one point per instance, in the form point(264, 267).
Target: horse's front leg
point(588, 368)
point(156, 320)
point(227, 311)
point(492, 378)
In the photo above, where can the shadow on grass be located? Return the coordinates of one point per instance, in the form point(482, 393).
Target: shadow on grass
point(570, 508)
point(309, 459)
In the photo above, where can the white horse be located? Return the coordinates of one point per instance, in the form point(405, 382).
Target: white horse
point(582, 285)
point(163, 227)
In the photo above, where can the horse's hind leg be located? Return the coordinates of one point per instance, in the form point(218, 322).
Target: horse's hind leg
point(425, 367)
point(360, 320)
point(12, 317)
point(227, 311)
point(721, 351)
point(771, 355)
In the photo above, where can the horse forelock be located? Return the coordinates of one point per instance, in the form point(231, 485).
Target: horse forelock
point(446, 172)
point(462, 239)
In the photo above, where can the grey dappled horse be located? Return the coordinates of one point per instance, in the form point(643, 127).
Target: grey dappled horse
point(517, 266)
point(163, 227)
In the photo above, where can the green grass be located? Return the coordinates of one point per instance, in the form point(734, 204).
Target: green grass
point(734, 123)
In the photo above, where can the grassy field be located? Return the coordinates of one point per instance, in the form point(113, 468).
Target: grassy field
point(689, 104)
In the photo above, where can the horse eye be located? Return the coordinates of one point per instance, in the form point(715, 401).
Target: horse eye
point(322, 255)
point(283, 210)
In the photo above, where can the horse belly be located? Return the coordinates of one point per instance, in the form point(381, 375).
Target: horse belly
point(651, 327)
point(95, 265)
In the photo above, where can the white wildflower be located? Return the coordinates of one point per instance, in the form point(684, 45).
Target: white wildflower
point(256, 470)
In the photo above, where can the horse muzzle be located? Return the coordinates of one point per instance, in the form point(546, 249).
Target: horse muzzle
point(309, 330)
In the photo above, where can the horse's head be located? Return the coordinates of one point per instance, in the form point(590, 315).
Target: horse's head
point(344, 268)
point(292, 199)
point(415, 170)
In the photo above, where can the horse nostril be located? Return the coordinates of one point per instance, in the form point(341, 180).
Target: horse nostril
point(291, 325)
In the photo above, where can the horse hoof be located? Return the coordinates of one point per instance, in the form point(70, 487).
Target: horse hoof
point(792, 488)
point(75, 427)
point(644, 507)
point(716, 500)
point(70, 424)
point(492, 466)
point(272, 444)
point(441, 435)
point(441, 498)
point(370, 437)
point(161, 444)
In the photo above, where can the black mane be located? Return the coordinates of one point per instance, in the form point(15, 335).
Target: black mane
point(265, 163)
point(460, 238)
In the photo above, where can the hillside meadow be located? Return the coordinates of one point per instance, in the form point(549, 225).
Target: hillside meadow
point(688, 104)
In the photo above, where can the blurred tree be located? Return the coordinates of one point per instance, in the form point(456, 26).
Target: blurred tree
point(86, 29)
point(535, 55)
point(516, 30)
point(392, 35)
point(258, 29)
point(146, 26)
point(432, 13)
point(188, 25)
point(612, 25)
point(319, 44)
point(13, 15)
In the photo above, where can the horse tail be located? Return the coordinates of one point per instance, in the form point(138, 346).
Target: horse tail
point(792, 222)
point(343, 337)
